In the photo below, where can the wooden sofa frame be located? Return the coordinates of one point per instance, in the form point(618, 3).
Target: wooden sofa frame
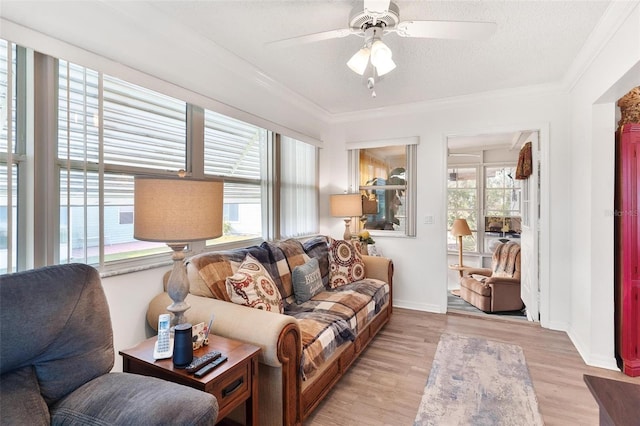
point(298, 400)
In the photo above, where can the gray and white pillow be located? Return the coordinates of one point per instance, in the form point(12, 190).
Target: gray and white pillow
point(307, 281)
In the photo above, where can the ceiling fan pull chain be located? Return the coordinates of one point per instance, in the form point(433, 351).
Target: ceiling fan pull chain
point(371, 85)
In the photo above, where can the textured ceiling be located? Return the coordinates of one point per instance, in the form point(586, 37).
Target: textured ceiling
point(535, 43)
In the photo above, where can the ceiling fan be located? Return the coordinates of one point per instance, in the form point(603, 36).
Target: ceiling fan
point(376, 18)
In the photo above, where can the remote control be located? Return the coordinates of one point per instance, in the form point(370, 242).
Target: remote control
point(201, 361)
point(207, 368)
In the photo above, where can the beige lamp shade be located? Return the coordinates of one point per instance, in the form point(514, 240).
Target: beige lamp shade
point(177, 209)
point(460, 228)
point(346, 205)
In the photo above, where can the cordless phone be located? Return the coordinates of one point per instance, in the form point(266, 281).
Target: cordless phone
point(164, 345)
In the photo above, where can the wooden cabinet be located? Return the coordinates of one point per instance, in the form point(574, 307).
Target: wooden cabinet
point(627, 214)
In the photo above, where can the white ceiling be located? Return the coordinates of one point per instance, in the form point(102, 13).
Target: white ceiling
point(535, 43)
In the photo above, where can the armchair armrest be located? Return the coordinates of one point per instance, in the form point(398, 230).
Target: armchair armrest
point(261, 328)
point(499, 281)
point(477, 271)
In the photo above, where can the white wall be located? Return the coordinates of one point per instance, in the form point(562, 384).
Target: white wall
point(128, 296)
point(421, 262)
point(613, 72)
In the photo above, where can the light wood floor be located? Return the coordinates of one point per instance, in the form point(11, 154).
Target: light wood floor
point(385, 384)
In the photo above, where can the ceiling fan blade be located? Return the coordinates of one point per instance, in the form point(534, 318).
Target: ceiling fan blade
point(458, 30)
point(376, 7)
point(311, 38)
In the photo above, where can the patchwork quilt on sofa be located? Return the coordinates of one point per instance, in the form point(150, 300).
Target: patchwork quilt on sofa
point(327, 320)
point(333, 317)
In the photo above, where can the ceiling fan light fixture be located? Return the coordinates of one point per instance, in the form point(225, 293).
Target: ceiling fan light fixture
point(385, 67)
point(380, 53)
point(359, 61)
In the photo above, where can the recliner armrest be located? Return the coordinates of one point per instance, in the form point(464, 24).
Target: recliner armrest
point(125, 398)
point(502, 281)
point(477, 271)
point(505, 294)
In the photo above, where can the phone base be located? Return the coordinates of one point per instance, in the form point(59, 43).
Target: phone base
point(157, 354)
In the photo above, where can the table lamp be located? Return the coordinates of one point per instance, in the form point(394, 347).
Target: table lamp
point(459, 229)
point(176, 211)
point(346, 206)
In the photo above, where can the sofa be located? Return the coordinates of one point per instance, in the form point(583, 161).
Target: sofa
point(56, 354)
point(312, 338)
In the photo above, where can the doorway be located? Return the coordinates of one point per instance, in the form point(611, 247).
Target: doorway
point(482, 189)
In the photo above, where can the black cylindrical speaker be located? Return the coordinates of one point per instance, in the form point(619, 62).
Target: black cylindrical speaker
point(182, 345)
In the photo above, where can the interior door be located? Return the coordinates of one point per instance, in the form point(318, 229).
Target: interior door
point(529, 288)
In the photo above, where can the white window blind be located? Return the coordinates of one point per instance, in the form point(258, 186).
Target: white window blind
point(108, 131)
point(7, 96)
point(234, 150)
point(8, 161)
point(298, 188)
point(143, 128)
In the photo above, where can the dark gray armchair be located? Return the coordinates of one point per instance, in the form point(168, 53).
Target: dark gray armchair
point(56, 353)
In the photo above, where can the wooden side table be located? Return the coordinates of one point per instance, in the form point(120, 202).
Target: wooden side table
point(459, 268)
point(232, 382)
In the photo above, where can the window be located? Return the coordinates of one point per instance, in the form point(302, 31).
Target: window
point(105, 131)
point(236, 151)
point(385, 176)
point(488, 197)
point(108, 131)
point(462, 184)
point(502, 192)
point(298, 188)
point(10, 157)
point(502, 205)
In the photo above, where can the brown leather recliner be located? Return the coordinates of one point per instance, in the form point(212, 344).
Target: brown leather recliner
point(496, 289)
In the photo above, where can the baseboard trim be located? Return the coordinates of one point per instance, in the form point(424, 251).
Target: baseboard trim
point(556, 326)
point(426, 307)
point(605, 362)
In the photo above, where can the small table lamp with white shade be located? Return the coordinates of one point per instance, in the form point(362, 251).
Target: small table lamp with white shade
point(177, 211)
point(346, 206)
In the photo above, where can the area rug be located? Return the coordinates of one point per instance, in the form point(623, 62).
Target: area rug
point(475, 381)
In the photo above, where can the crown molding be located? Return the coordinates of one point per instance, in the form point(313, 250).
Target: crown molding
point(614, 16)
point(446, 103)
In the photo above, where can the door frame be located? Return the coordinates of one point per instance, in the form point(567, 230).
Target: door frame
point(544, 194)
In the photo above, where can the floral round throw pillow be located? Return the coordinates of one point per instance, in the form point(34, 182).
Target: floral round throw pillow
point(345, 263)
point(252, 286)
